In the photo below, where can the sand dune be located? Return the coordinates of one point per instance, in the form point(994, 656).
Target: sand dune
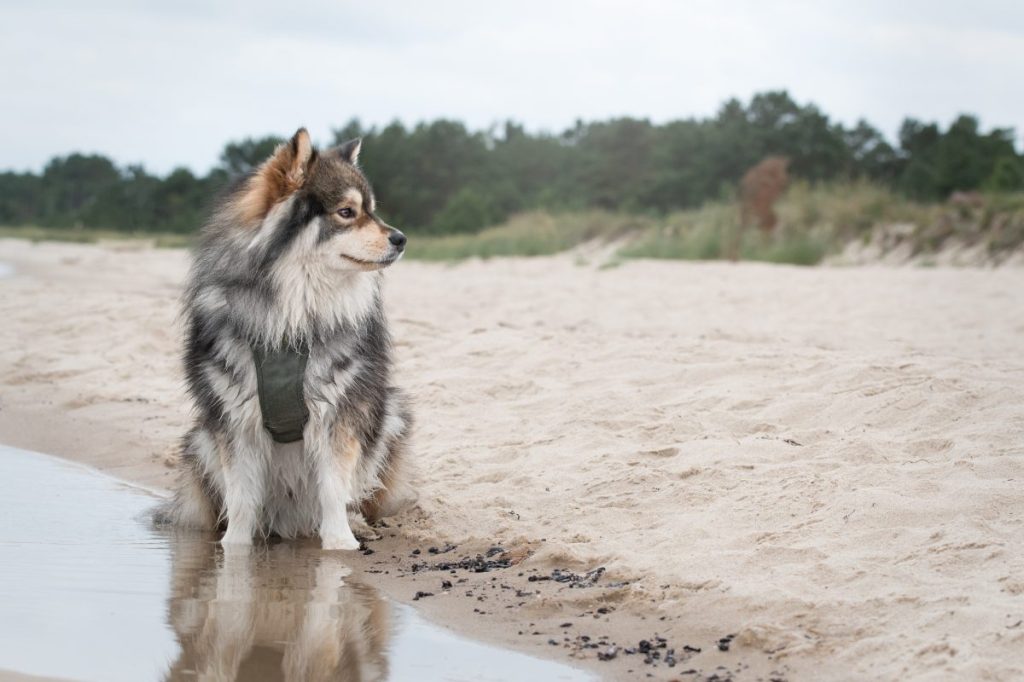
point(828, 460)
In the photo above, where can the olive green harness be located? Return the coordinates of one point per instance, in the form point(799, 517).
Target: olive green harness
point(279, 377)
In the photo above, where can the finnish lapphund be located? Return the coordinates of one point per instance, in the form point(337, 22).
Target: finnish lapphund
point(288, 358)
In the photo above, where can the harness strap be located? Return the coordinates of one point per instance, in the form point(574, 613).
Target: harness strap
point(279, 377)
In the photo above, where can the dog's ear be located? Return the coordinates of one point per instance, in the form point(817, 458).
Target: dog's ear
point(285, 172)
point(349, 151)
point(292, 159)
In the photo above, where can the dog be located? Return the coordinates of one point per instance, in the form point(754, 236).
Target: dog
point(288, 358)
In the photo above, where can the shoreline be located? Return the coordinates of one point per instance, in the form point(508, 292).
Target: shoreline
point(465, 599)
point(808, 459)
point(183, 585)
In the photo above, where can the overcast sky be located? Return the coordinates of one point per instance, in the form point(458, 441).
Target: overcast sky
point(168, 83)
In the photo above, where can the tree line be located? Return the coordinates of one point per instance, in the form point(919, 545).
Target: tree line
point(440, 177)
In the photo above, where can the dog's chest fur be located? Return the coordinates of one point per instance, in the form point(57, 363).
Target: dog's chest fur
point(345, 384)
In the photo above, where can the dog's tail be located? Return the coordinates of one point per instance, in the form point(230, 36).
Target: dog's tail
point(189, 507)
point(194, 504)
point(163, 514)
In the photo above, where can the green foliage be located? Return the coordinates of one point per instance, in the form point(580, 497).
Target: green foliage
point(440, 178)
point(464, 212)
point(79, 191)
point(1007, 175)
point(21, 198)
point(937, 163)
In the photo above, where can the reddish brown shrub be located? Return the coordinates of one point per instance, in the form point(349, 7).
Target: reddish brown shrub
point(760, 188)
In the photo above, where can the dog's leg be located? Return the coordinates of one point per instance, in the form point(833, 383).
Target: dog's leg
point(336, 485)
point(395, 491)
point(334, 451)
point(245, 472)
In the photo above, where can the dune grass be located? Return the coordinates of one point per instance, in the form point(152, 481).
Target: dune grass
point(712, 233)
point(536, 233)
point(33, 233)
point(813, 222)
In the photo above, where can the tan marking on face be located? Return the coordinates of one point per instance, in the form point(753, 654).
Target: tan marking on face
point(365, 244)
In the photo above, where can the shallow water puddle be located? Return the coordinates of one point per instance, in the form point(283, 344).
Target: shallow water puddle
point(90, 592)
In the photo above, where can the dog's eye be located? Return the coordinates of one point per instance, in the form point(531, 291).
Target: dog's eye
point(346, 213)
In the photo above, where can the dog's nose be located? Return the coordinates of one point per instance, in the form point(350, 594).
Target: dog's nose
point(397, 239)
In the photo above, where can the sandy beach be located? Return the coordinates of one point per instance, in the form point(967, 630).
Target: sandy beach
point(825, 462)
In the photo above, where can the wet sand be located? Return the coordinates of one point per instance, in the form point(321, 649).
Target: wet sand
point(825, 463)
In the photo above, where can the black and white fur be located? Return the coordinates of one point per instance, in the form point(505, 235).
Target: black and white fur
point(293, 256)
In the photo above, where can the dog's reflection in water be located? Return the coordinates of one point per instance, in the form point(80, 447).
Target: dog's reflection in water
point(278, 612)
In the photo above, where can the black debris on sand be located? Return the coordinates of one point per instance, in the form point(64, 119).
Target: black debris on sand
point(477, 564)
point(588, 579)
point(443, 550)
point(655, 652)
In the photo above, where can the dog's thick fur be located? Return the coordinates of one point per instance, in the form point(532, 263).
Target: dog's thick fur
point(292, 257)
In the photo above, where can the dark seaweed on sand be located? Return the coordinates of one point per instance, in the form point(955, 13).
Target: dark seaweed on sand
point(588, 579)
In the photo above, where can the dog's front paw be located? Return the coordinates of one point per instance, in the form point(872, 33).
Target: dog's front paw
point(240, 539)
point(333, 541)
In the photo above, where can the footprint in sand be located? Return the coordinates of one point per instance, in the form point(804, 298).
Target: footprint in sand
point(663, 452)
